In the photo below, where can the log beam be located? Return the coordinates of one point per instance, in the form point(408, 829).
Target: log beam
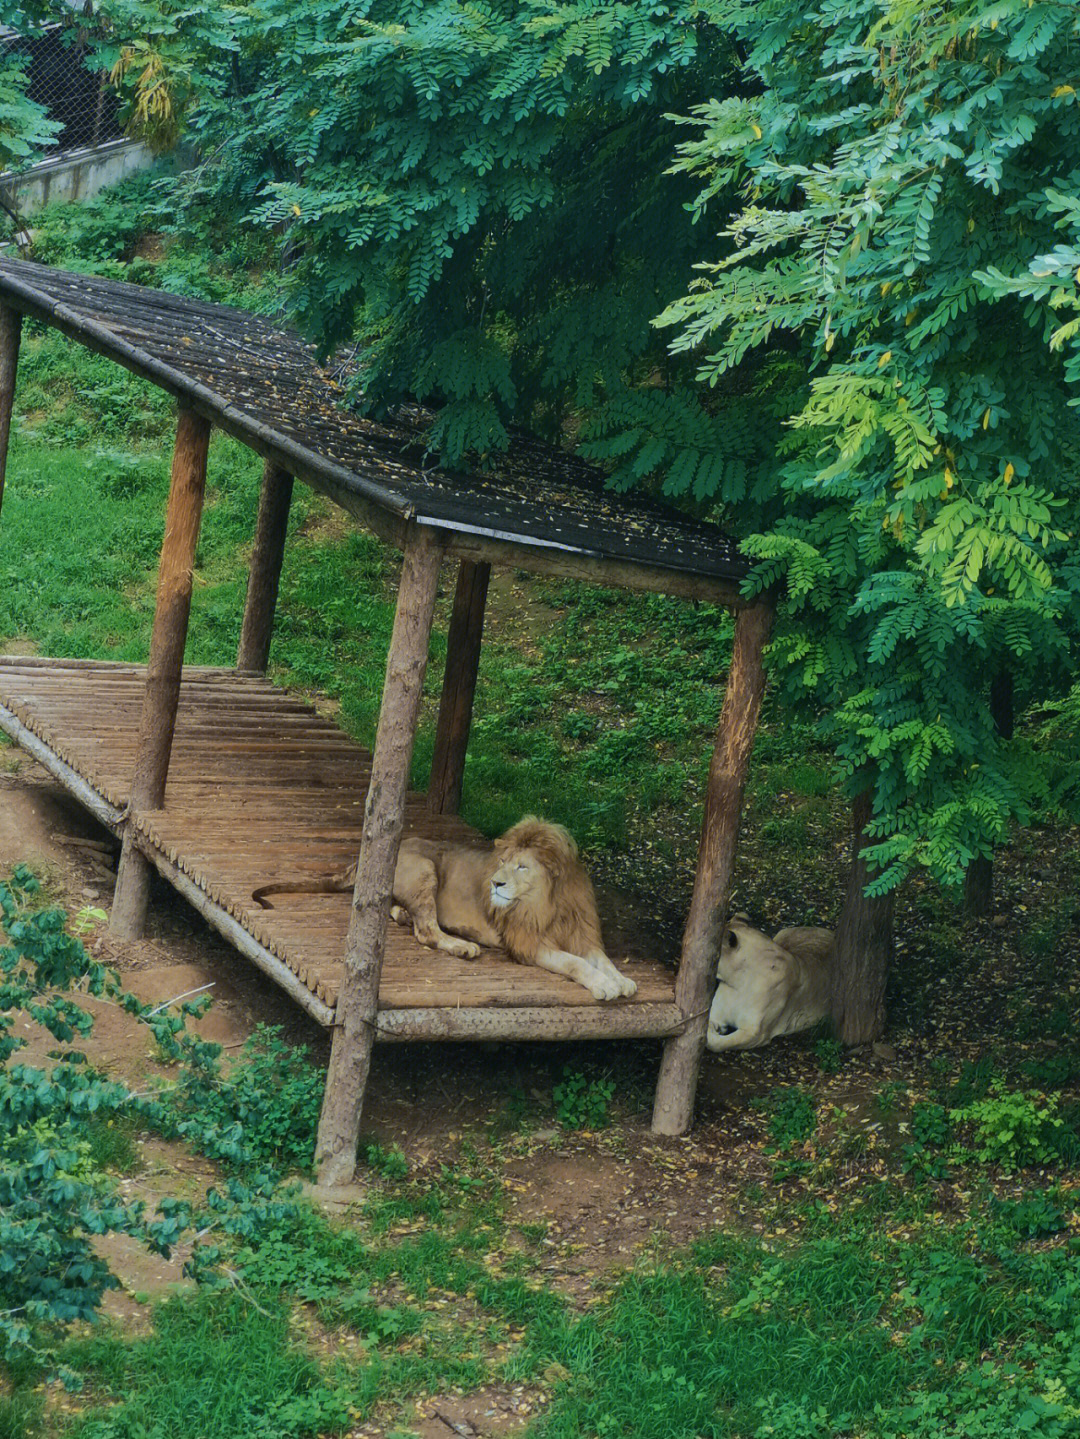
point(10, 332)
point(264, 575)
point(679, 1068)
point(183, 516)
point(459, 687)
point(384, 817)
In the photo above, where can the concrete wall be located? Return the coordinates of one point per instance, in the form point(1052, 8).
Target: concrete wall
point(76, 175)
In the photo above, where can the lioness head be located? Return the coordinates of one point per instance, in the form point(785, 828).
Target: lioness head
point(749, 970)
point(533, 858)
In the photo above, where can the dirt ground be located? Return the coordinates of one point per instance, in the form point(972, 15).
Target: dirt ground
point(600, 1200)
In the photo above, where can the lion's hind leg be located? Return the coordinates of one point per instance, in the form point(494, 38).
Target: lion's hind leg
point(416, 890)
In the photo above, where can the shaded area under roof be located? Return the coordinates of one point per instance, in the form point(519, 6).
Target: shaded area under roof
point(263, 384)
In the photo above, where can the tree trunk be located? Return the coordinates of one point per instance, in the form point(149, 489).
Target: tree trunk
point(459, 688)
point(864, 944)
point(384, 817)
point(163, 671)
point(979, 878)
point(267, 553)
point(10, 331)
point(677, 1081)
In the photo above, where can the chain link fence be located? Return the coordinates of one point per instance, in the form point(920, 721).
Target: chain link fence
point(81, 99)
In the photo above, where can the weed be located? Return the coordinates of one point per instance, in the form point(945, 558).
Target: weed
point(1013, 1129)
point(1037, 1212)
point(889, 1095)
point(112, 1144)
point(582, 1103)
point(828, 1053)
point(930, 1125)
point(792, 1116)
point(390, 1163)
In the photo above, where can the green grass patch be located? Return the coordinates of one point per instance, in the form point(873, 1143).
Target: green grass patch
point(217, 1366)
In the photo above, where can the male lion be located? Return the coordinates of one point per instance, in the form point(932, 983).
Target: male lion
point(769, 986)
point(528, 895)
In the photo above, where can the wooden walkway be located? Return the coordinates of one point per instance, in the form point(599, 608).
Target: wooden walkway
point(263, 791)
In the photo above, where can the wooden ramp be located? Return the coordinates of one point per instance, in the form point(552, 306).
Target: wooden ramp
point(264, 791)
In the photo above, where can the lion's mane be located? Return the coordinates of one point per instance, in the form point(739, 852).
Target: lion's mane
point(563, 915)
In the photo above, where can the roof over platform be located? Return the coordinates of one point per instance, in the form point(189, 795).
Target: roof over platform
point(262, 383)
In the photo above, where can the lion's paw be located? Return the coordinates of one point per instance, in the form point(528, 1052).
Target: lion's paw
point(603, 986)
point(463, 948)
point(628, 986)
point(399, 914)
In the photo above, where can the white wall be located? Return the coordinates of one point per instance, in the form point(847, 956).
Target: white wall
point(76, 175)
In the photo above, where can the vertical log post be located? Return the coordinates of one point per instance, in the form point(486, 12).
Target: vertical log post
point(384, 817)
point(677, 1083)
point(459, 688)
point(864, 942)
point(162, 694)
point(267, 553)
point(10, 331)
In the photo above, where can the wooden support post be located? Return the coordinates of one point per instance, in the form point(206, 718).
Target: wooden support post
point(384, 817)
point(267, 554)
point(10, 331)
point(677, 1083)
point(459, 688)
point(161, 697)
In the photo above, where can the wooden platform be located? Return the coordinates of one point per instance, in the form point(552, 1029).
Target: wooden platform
point(262, 790)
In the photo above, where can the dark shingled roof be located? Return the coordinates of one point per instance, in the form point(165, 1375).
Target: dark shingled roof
point(264, 383)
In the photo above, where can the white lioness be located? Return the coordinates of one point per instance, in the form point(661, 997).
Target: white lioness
point(529, 895)
point(769, 986)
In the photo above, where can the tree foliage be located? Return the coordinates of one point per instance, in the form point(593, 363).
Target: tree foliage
point(905, 174)
point(474, 195)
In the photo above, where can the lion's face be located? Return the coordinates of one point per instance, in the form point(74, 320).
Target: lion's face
point(521, 878)
point(750, 970)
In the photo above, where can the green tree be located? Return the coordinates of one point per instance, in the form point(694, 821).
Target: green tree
point(908, 175)
point(475, 195)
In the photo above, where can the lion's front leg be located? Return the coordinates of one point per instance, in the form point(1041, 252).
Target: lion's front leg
point(572, 966)
point(599, 960)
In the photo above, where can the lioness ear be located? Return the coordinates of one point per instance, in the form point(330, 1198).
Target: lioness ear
point(732, 939)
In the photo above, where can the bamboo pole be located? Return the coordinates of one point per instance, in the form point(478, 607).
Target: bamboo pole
point(10, 332)
point(264, 575)
point(677, 1082)
point(384, 816)
point(162, 694)
point(459, 688)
